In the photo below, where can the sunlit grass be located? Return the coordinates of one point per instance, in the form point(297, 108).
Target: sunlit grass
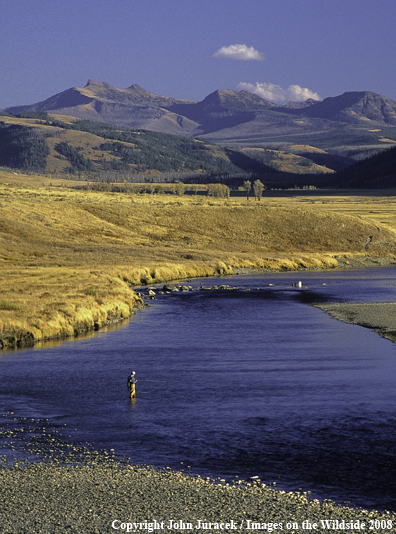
point(70, 257)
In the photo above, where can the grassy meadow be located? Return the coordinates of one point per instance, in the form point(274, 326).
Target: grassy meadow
point(71, 257)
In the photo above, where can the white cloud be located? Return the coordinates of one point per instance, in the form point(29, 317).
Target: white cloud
point(240, 52)
point(276, 93)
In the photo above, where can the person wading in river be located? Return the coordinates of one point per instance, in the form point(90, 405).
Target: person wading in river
point(132, 384)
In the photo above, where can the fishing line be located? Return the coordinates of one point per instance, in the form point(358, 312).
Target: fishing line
point(145, 392)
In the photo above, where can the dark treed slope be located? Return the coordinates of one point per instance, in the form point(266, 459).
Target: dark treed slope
point(378, 171)
point(87, 146)
point(23, 148)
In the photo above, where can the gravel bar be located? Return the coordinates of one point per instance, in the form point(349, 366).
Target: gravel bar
point(51, 485)
point(379, 316)
point(104, 495)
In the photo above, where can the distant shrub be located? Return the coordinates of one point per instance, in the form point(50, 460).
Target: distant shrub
point(159, 190)
point(180, 188)
point(5, 305)
point(218, 190)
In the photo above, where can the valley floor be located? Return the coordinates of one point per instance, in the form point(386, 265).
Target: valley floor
point(69, 261)
point(70, 257)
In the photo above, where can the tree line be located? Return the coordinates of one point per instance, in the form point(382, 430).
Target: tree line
point(211, 190)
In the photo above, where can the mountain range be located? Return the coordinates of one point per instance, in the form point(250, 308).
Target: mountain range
point(224, 114)
point(311, 136)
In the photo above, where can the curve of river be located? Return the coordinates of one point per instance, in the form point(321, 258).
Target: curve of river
point(245, 382)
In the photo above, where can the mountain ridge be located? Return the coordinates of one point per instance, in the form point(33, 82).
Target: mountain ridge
point(231, 117)
point(237, 101)
point(355, 105)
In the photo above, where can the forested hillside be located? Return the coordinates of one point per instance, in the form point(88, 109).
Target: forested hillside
point(85, 146)
point(36, 140)
point(378, 171)
point(39, 142)
point(23, 148)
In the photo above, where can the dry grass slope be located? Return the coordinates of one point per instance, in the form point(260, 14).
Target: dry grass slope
point(69, 258)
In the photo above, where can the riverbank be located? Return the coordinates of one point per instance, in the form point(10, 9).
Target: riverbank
point(378, 316)
point(70, 258)
point(102, 494)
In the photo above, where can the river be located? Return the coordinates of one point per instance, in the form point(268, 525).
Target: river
point(243, 382)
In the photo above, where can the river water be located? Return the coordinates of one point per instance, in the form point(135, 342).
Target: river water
point(233, 383)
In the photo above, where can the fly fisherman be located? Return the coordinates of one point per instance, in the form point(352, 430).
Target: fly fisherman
point(132, 384)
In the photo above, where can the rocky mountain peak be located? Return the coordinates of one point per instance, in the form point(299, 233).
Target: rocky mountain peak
point(355, 106)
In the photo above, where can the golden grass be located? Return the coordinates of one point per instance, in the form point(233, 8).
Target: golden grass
point(291, 161)
point(386, 140)
point(69, 258)
point(307, 148)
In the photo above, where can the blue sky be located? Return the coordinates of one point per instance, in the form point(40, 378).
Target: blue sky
point(281, 49)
